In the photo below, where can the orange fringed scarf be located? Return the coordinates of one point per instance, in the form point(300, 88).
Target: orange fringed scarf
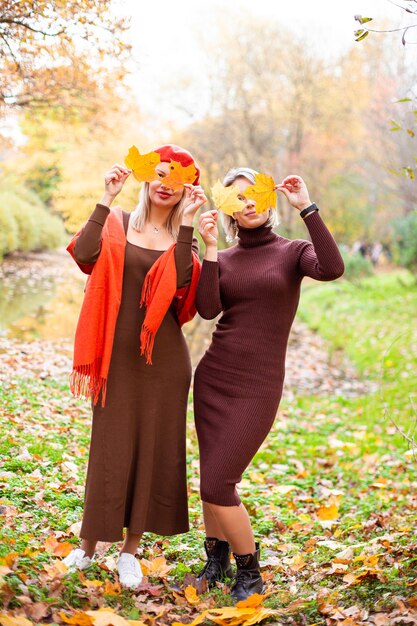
point(97, 322)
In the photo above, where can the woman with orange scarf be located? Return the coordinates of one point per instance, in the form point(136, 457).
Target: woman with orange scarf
point(131, 359)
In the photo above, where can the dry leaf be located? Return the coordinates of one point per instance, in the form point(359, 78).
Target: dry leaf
point(263, 193)
point(284, 489)
point(106, 617)
point(226, 198)
point(78, 619)
point(179, 175)
point(252, 601)
point(110, 588)
point(53, 546)
point(143, 165)
point(191, 595)
point(328, 512)
point(6, 620)
point(158, 567)
point(90, 584)
point(56, 570)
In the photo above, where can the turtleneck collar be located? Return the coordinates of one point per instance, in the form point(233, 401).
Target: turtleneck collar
point(252, 237)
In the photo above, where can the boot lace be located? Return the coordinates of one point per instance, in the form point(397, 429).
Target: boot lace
point(212, 568)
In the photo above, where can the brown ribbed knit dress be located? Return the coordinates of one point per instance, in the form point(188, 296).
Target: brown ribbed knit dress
point(136, 475)
point(238, 382)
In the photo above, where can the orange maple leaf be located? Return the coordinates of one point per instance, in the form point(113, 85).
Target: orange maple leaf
point(157, 567)
point(78, 619)
point(329, 511)
point(57, 548)
point(190, 593)
point(179, 175)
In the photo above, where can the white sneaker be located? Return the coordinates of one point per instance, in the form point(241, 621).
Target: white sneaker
point(130, 574)
point(77, 559)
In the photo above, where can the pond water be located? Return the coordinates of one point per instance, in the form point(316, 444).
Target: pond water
point(41, 296)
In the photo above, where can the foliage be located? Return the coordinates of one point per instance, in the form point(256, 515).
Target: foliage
point(406, 239)
point(52, 53)
point(408, 6)
point(25, 222)
point(356, 266)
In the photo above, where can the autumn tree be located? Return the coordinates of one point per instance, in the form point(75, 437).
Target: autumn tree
point(52, 53)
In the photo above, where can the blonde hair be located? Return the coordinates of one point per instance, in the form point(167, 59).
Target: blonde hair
point(229, 223)
point(142, 212)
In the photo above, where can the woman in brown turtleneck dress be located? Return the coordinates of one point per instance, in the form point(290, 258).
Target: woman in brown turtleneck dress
point(255, 284)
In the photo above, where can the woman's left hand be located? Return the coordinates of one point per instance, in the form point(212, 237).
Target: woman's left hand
point(194, 199)
point(296, 192)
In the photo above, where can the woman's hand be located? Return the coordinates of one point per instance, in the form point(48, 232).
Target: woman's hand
point(296, 192)
point(207, 227)
point(114, 180)
point(194, 199)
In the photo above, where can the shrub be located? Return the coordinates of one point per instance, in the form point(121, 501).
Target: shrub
point(356, 266)
point(9, 235)
point(406, 241)
point(25, 223)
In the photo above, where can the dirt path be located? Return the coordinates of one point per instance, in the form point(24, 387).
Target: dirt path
point(310, 366)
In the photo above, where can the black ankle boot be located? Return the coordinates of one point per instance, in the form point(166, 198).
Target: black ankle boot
point(248, 576)
point(217, 566)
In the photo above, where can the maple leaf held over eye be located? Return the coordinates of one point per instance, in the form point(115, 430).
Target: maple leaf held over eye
point(263, 192)
point(179, 175)
point(226, 198)
point(142, 165)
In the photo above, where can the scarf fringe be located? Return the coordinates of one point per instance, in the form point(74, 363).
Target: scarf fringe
point(85, 381)
point(147, 339)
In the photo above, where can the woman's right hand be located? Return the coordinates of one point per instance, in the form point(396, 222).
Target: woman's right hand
point(114, 179)
point(207, 227)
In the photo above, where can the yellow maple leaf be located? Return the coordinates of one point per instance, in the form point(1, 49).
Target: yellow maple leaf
point(226, 198)
point(158, 567)
point(179, 175)
point(328, 512)
point(263, 193)
point(142, 165)
point(296, 563)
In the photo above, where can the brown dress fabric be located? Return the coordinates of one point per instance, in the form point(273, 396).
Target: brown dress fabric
point(136, 475)
point(238, 382)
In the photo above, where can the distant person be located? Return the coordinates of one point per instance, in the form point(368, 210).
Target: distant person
point(376, 252)
point(136, 476)
point(255, 286)
point(359, 247)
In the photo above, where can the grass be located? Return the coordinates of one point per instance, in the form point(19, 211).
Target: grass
point(331, 492)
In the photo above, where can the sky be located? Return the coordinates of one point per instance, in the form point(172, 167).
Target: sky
point(165, 35)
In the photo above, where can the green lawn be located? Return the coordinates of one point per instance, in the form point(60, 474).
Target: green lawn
point(332, 492)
